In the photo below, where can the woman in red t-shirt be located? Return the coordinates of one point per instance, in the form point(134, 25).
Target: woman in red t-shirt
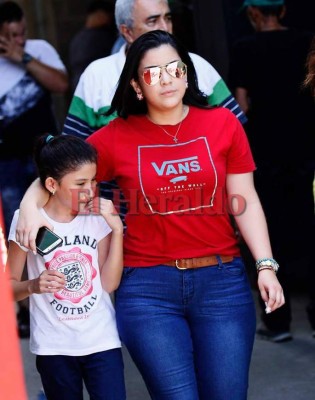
point(184, 306)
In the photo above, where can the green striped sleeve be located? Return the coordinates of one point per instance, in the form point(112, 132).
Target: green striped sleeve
point(219, 94)
point(84, 113)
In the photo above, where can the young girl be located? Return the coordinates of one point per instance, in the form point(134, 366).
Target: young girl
point(73, 328)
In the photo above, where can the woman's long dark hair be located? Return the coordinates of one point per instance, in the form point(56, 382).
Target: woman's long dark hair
point(125, 101)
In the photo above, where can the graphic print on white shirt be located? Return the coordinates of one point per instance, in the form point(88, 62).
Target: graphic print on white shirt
point(169, 174)
point(78, 271)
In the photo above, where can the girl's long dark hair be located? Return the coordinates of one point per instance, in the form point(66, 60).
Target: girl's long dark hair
point(56, 156)
point(125, 101)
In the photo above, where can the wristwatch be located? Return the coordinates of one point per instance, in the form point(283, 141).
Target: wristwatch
point(267, 263)
point(26, 58)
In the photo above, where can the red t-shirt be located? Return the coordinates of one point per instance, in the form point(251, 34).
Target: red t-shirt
point(175, 191)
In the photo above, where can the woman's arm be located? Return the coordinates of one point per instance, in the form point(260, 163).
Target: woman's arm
point(111, 247)
point(30, 218)
point(46, 282)
point(253, 227)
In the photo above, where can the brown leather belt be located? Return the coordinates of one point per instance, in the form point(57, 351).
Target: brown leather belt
point(188, 263)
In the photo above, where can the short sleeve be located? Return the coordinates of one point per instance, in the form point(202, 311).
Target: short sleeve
point(13, 230)
point(45, 53)
point(100, 227)
point(104, 143)
point(239, 159)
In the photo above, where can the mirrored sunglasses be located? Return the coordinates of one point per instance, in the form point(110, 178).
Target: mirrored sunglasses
point(152, 75)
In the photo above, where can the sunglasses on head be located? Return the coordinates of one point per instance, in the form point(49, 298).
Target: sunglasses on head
point(152, 75)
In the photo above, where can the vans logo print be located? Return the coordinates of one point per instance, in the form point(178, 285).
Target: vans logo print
point(177, 178)
point(177, 167)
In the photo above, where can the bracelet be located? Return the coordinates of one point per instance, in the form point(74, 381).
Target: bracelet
point(269, 263)
point(265, 267)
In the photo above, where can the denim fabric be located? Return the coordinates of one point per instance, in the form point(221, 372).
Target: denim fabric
point(190, 332)
point(103, 374)
point(15, 177)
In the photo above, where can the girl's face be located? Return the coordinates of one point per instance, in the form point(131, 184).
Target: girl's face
point(169, 91)
point(76, 188)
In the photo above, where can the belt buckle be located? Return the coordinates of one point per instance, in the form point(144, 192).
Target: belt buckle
point(178, 267)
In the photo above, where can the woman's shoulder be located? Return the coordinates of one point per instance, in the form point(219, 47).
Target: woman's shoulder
point(120, 123)
point(215, 118)
point(212, 112)
point(103, 133)
point(119, 126)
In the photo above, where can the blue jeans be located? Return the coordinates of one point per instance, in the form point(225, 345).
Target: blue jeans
point(190, 332)
point(103, 374)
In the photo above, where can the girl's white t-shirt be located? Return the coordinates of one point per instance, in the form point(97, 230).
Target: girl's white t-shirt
point(79, 319)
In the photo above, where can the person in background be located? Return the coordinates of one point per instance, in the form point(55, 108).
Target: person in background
point(95, 40)
point(310, 82)
point(310, 74)
point(30, 71)
point(73, 327)
point(268, 70)
point(184, 306)
point(119, 42)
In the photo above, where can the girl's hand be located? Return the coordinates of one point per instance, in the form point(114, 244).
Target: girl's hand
point(270, 290)
point(47, 282)
point(106, 208)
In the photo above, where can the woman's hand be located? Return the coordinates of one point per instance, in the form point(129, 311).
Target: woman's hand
point(47, 282)
point(106, 208)
point(28, 225)
point(270, 290)
point(30, 218)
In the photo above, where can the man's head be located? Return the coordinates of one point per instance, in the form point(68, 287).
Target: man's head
point(12, 22)
point(263, 3)
point(135, 17)
point(263, 13)
point(100, 13)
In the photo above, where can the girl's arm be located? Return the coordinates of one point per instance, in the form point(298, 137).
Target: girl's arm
point(253, 227)
point(30, 218)
point(111, 247)
point(46, 282)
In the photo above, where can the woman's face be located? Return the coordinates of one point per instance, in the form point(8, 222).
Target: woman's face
point(168, 92)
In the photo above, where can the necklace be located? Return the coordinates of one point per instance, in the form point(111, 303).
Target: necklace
point(174, 137)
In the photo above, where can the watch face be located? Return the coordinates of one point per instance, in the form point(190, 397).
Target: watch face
point(267, 263)
point(26, 58)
